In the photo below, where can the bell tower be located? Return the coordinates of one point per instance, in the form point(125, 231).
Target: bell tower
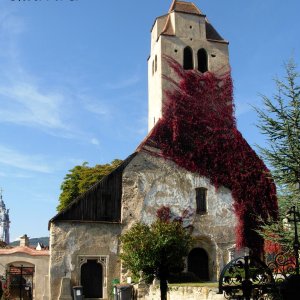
point(186, 35)
point(4, 221)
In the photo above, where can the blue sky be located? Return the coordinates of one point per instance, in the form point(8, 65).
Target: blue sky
point(73, 85)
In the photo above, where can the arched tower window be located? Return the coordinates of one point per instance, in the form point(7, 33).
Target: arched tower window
point(155, 64)
point(202, 60)
point(188, 58)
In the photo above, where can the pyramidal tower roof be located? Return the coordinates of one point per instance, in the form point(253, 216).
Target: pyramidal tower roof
point(185, 7)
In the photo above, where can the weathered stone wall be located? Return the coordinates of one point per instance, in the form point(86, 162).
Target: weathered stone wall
point(71, 243)
point(150, 182)
point(184, 293)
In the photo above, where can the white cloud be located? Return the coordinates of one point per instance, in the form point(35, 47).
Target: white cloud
point(24, 103)
point(123, 83)
point(18, 160)
point(96, 107)
point(16, 175)
point(11, 27)
point(95, 141)
point(242, 108)
point(10, 24)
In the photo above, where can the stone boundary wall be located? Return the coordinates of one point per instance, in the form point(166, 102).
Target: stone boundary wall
point(181, 293)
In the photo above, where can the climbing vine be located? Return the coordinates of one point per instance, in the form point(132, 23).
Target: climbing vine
point(198, 132)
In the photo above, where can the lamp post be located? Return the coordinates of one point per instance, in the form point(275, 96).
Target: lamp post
point(295, 218)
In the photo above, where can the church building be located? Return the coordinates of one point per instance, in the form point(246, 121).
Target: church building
point(193, 160)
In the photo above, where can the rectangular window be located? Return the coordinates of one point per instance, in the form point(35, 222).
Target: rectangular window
point(201, 194)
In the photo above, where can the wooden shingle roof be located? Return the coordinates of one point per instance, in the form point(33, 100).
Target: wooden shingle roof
point(101, 203)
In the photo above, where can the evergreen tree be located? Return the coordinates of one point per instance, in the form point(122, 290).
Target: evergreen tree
point(80, 179)
point(279, 120)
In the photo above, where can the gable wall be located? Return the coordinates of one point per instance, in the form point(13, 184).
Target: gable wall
point(150, 182)
point(71, 242)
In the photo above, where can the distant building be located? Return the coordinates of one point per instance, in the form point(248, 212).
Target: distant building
point(4, 221)
point(26, 268)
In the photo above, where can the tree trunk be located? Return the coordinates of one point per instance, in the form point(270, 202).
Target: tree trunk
point(163, 287)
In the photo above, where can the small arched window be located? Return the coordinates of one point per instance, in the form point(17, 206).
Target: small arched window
point(188, 58)
point(155, 63)
point(202, 60)
point(201, 200)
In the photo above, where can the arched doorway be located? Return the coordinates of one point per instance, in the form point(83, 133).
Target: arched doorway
point(198, 263)
point(92, 279)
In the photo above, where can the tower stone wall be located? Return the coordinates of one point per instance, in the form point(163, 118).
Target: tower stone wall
point(184, 26)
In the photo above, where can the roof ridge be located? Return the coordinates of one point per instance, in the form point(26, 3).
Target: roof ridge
point(121, 166)
point(174, 6)
point(26, 250)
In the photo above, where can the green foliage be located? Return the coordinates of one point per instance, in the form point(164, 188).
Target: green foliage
point(156, 247)
point(80, 179)
point(280, 122)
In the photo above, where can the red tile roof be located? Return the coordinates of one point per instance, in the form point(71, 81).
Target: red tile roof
point(26, 250)
point(168, 29)
point(185, 7)
point(179, 6)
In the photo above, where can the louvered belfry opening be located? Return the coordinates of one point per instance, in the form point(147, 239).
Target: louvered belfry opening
point(188, 63)
point(202, 60)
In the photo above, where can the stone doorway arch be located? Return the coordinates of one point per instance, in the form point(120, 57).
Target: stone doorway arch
point(198, 263)
point(92, 279)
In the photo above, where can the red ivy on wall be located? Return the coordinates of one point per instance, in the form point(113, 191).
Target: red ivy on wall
point(164, 214)
point(198, 132)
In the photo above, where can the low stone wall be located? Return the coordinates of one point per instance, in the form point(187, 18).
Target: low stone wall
point(182, 293)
